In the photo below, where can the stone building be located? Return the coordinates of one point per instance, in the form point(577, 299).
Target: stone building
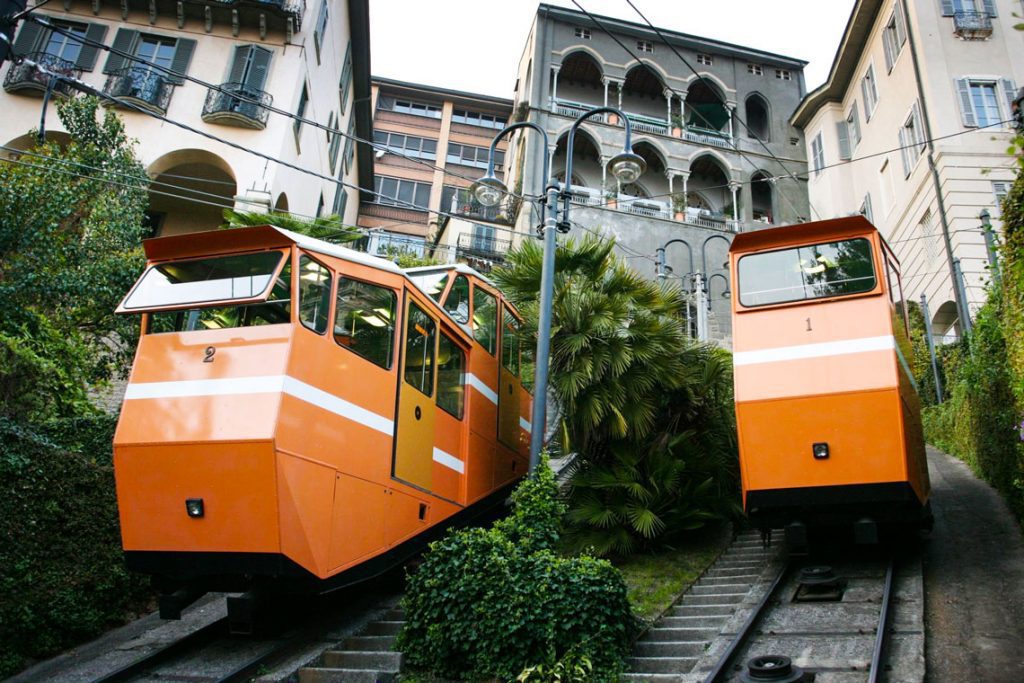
point(721, 155)
point(911, 129)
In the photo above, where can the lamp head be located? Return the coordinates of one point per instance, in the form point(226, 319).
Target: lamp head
point(488, 190)
point(627, 166)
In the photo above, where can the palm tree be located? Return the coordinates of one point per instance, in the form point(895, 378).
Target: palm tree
point(327, 228)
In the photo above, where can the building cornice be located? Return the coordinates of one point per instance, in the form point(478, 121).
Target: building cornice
point(677, 39)
point(391, 84)
point(844, 66)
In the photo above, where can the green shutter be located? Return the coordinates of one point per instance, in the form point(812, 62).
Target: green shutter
point(237, 71)
point(990, 7)
point(89, 51)
point(947, 8)
point(256, 79)
point(125, 41)
point(844, 140)
point(182, 57)
point(1010, 90)
point(966, 108)
point(29, 39)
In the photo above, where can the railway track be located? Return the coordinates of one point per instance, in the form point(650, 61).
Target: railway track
point(858, 620)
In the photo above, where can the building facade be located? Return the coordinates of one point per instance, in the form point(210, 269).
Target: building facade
point(721, 155)
point(432, 143)
point(312, 61)
point(911, 129)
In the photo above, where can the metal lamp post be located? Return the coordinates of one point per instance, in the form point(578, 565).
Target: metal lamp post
point(627, 166)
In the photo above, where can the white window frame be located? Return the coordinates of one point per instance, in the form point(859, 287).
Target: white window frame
point(755, 69)
point(1004, 90)
point(853, 124)
point(581, 32)
point(1000, 188)
point(911, 139)
point(783, 74)
point(817, 154)
point(645, 46)
point(705, 59)
point(869, 89)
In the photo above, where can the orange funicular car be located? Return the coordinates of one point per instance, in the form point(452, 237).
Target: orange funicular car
point(826, 405)
point(301, 416)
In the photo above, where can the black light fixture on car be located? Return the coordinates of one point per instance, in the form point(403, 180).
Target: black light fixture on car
point(820, 451)
point(195, 508)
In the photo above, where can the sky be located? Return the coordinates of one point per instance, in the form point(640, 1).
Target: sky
point(475, 45)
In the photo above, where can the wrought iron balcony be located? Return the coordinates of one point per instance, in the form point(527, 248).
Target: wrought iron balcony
point(483, 246)
point(972, 25)
point(236, 105)
point(707, 136)
point(139, 86)
point(25, 77)
point(463, 205)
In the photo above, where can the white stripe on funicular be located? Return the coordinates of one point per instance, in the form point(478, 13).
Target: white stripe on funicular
point(479, 385)
point(824, 349)
point(523, 424)
point(241, 386)
point(449, 460)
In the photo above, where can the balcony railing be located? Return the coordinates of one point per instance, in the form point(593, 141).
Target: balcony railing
point(647, 124)
point(463, 205)
point(226, 106)
point(972, 25)
point(483, 246)
point(642, 206)
point(574, 109)
point(140, 86)
point(24, 77)
point(706, 136)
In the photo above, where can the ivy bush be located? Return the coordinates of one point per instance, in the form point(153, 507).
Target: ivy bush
point(62, 575)
point(491, 603)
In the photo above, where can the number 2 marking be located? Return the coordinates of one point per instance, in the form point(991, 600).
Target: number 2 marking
point(808, 325)
point(210, 350)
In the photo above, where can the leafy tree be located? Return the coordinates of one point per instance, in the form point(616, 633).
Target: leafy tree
point(326, 228)
point(70, 227)
point(648, 410)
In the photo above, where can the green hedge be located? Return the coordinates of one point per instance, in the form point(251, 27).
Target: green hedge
point(62, 575)
point(489, 603)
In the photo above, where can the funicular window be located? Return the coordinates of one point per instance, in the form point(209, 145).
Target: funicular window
point(314, 294)
point(451, 377)
point(485, 319)
point(807, 272)
point(276, 310)
point(198, 281)
point(896, 294)
point(420, 331)
point(457, 301)
point(510, 344)
point(365, 320)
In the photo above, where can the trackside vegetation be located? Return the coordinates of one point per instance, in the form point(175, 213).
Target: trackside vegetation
point(981, 419)
point(71, 221)
point(502, 603)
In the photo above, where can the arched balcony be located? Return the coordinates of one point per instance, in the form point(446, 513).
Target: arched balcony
point(708, 120)
point(644, 100)
point(588, 176)
point(761, 198)
point(577, 85)
point(189, 192)
point(757, 118)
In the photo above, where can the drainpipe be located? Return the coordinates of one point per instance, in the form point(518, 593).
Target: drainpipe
point(961, 297)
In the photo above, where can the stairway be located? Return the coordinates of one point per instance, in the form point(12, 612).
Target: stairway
point(677, 640)
point(366, 658)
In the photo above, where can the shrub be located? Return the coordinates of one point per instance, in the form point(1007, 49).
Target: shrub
point(491, 603)
point(62, 576)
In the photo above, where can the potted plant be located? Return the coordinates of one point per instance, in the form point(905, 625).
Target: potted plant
point(679, 205)
point(613, 119)
point(677, 126)
point(611, 199)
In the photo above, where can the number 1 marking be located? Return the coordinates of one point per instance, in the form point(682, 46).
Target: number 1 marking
point(808, 324)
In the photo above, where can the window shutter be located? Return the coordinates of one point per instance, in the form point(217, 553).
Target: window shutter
point(256, 79)
point(901, 26)
point(182, 56)
point(918, 128)
point(867, 99)
point(29, 38)
point(237, 71)
point(868, 213)
point(888, 40)
point(844, 140)
point(88, 52)
point(990, 7)
point(966, 109)
point(124, 41)
point(904, 151)
point(856, 123)
point(947, 8)
point(1010, 90)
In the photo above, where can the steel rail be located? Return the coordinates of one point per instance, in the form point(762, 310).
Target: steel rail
point(717, 674)
point(882, 635)
point(202, 636)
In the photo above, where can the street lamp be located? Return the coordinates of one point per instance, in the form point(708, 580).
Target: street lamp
point(660, 267)
point(627, 166)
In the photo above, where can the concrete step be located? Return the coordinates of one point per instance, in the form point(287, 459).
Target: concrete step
point(670, 648)
point(718, 572)
point(688, 610)
point(720, 589)
point(371, 643)
point(384, 628)
point(348, 659)
point(323, 675)
point(684, 621)
point(650, 678)
point(693, 633)
point(661, 665)
point(716, 599)
point(745, 579)
point(396, 614)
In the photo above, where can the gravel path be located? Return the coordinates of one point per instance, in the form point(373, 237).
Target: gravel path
point(974, 580)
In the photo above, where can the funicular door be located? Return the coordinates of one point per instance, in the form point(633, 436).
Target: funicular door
point(414, 430)
point(508, 382)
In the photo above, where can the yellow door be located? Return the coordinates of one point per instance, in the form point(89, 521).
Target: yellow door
point(414, 431)
point(508, 383)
